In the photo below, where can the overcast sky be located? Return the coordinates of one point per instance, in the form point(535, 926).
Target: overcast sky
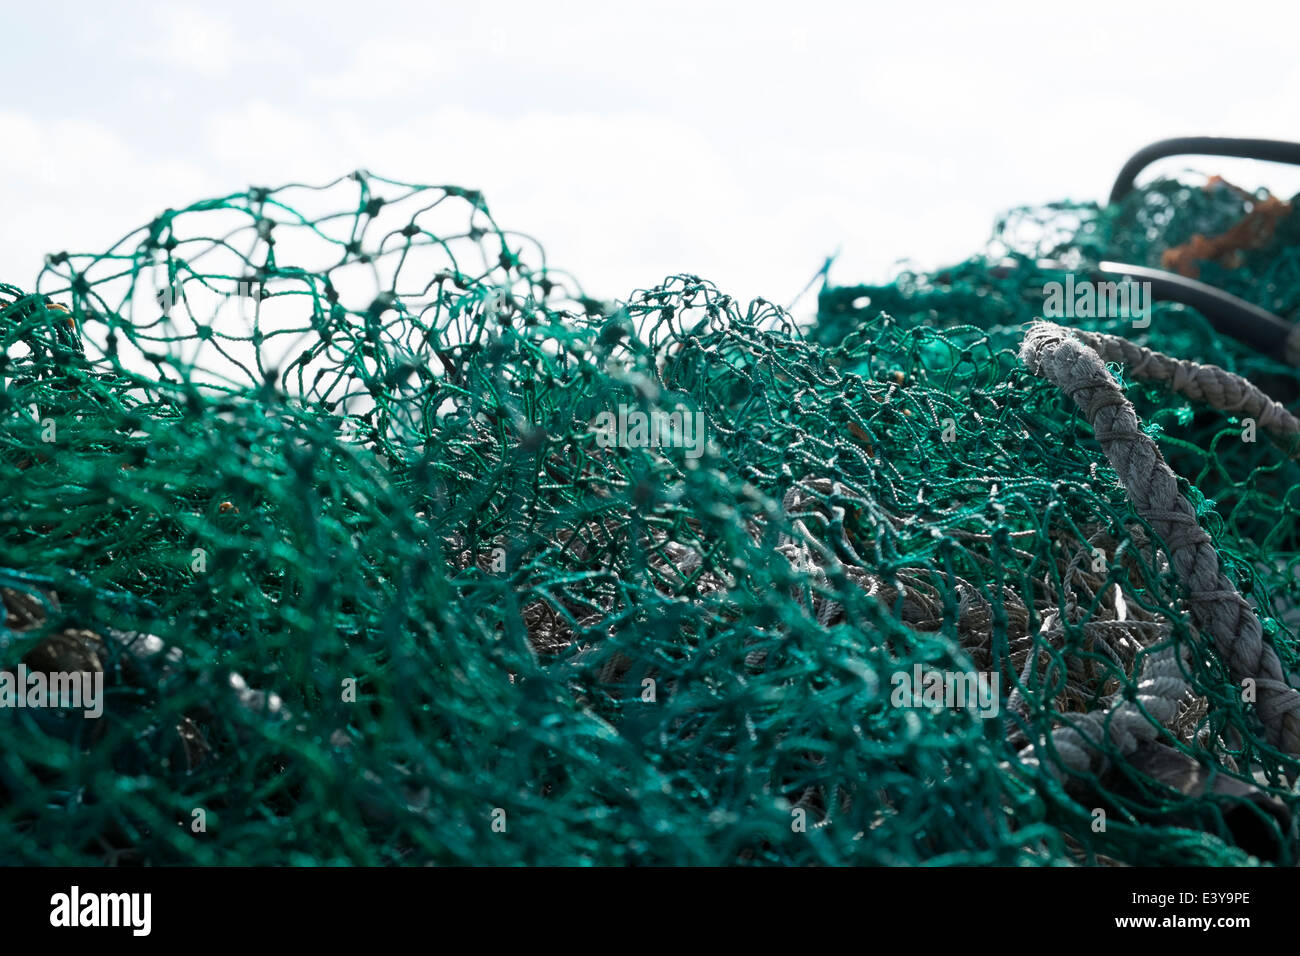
point(742, 142)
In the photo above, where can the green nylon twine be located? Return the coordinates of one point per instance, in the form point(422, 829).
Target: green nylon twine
point(313, 474)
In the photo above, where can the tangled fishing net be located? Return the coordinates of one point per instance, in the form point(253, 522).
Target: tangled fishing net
point(316, 478)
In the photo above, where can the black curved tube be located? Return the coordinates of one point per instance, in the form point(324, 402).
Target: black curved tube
point(1267, 150)
point(1243, 321)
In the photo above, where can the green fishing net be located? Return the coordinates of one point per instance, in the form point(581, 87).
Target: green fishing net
point(393, 547)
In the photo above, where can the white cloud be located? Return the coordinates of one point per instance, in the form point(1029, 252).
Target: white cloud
point(740, 144)
point(193, 39)
point(380, 68)
point(78, 186)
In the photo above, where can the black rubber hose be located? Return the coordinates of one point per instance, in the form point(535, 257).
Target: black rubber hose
point(1242, 320)
point(1268, 150)
point(1247, 323)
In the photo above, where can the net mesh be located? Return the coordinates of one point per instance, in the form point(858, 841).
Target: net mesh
point(395, 547)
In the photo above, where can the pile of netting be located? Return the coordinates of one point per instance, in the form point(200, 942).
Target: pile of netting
point(389, 545)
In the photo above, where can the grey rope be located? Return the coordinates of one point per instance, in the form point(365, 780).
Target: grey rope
point(1203, 383)
point(1216, 608)
point(1161, 689)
